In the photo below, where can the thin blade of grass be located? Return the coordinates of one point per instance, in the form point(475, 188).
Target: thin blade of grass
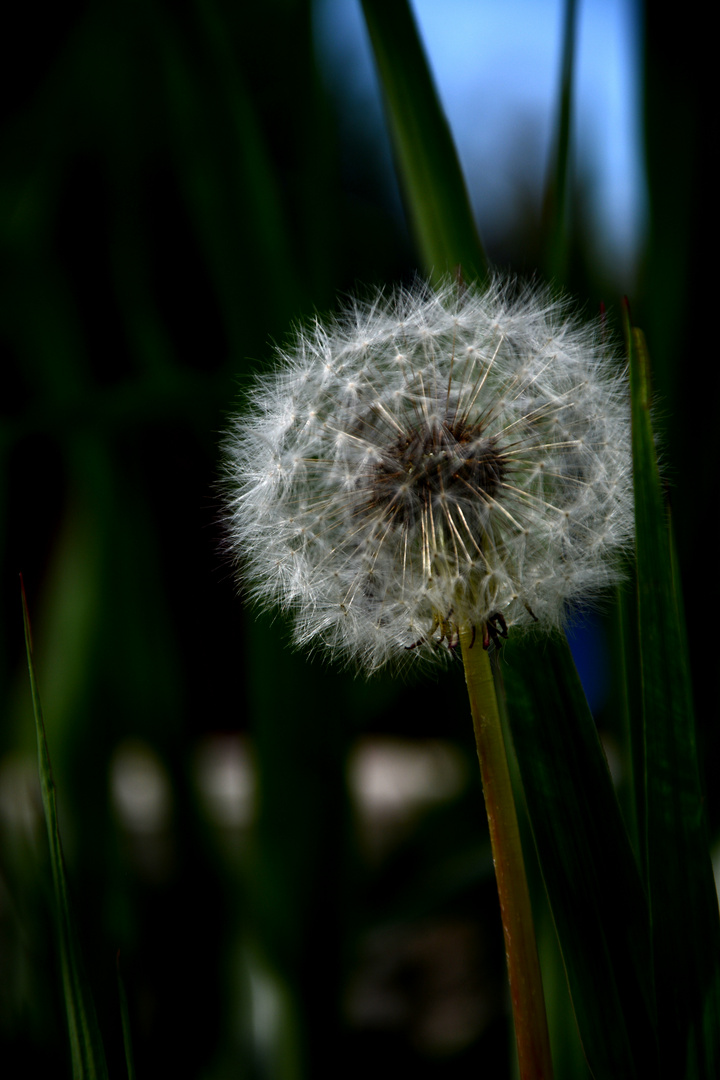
point(631, 726)
point(590, 874)
point(556, 192)
point(434, 187)
point(125, 1017)
point(86, 1047)
point(681, 887)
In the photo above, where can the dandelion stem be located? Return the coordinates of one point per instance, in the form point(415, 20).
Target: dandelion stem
point(526, 989)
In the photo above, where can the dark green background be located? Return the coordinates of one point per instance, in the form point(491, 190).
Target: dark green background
point(177, 185)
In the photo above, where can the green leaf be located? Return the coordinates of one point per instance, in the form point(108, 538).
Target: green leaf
point(681, 886)
point(434, 187)
point(88, 1056)
point(590, 873)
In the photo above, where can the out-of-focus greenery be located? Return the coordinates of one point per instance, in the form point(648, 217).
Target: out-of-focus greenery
point(177, 185)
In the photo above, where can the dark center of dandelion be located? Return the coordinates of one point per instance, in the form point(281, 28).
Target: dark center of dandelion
point(441, 466)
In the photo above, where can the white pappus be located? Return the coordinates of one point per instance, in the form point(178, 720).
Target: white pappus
point(428, 459)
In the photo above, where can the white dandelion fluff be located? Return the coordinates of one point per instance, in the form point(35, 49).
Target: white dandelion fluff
point(428, 460)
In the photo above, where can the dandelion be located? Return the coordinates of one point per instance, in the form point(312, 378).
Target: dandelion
point(429, 460)
point(436, 468)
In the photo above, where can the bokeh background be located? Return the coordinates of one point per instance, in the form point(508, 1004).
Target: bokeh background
point(292, 863)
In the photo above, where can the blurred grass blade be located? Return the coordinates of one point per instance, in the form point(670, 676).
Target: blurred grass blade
point(681, 887)
point(125, 1017)
point(88, 1056)
point(435, 193)
point(590, 873)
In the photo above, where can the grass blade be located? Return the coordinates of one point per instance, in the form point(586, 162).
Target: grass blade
point(125, 1017)
point(590, 873)
point(681, 887)
point(86, 1048)
point(435, 193)
point(556, 193)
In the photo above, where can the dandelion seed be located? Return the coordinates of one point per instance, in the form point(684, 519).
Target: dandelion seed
point(428, 460)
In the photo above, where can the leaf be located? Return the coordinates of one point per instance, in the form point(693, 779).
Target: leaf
point(681, 887)
point(590, 874)
point(88, 1056)
point(430, 174)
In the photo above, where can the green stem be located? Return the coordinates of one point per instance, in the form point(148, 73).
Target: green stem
point(526, 989)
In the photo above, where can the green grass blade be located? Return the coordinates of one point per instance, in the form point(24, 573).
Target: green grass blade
point(556, 194)
point(590, 873)
point(125, 1017)
point(681, 887)
point(435, 193)
point(627, 664)
point(88, 1056)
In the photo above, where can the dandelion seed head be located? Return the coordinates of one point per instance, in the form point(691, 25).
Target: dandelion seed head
point(431, 459)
